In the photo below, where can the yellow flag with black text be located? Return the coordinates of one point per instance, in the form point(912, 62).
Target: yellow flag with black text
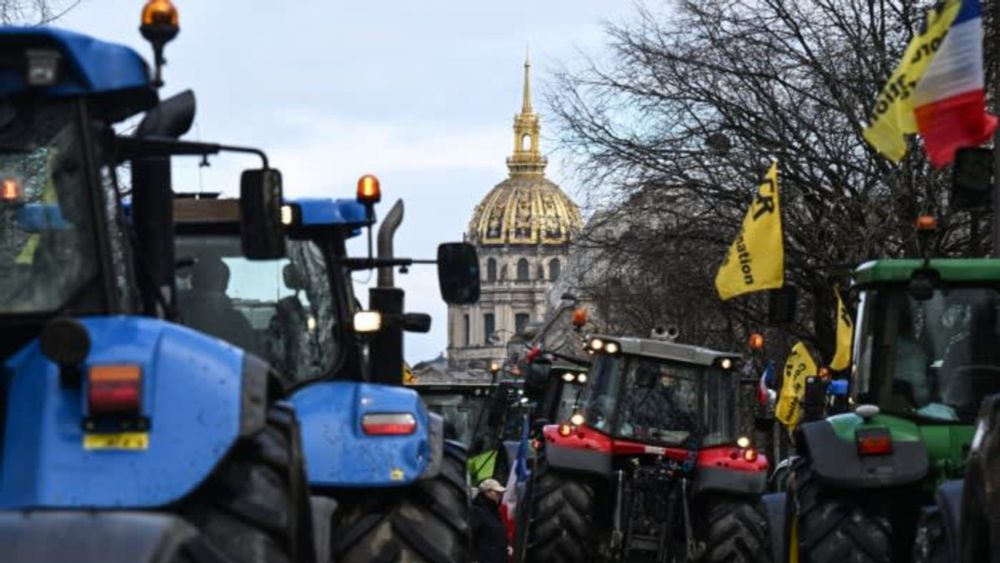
point(798, 367)
point(845, 332)
point(756, 259)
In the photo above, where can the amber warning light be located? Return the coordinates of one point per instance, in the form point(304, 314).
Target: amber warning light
point(756, 341)
point(579, 317)
point(927, 223)
point(369, 190)
point(160, 13)
point(10, 190)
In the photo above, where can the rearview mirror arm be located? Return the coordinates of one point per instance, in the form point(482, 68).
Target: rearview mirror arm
point(130, 148)
point(371, 263)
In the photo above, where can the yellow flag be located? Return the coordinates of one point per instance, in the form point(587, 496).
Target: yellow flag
point(756, 259)
point(845, 331)
point(892, 117)
point(798, 367)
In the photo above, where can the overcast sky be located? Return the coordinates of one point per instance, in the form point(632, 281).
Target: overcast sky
point(420, 93)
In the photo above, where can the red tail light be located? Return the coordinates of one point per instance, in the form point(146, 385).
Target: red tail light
point(389, 424)
point(114, 390)
point(874, 441)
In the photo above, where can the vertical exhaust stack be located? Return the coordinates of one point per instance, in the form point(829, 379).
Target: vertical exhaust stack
point(387, 344)
point(152, 201)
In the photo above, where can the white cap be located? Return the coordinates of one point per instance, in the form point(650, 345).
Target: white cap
point(491, 485)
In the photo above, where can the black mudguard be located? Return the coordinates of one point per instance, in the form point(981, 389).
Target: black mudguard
point(949, 501)
point(99, 537)
point(578, 459)
point(836, 462)
point(775, 506)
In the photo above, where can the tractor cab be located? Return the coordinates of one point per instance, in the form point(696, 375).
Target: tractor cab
point(926, 340)
point(660, 393)
point(293, 311)
point(652, 460)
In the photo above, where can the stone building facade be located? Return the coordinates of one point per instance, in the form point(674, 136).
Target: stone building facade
point(522, 230)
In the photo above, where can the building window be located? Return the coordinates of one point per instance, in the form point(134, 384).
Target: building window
point(554, 269)
point(489, 327)
point(467, 337)
point(491, 270)
point(522, 270)
point(520, 320)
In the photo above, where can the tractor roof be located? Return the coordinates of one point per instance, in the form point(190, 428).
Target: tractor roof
point(666, 350)
point(314, 212)
point(87, 66)
point(949, 269)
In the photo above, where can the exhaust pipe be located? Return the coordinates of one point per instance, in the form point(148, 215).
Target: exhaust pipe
point(386, 233)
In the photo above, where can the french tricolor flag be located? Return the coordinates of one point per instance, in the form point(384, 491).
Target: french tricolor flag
point(948, 103)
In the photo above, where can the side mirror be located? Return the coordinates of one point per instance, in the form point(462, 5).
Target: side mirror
point(781, 305)
point(458, 273)
point(416, 322)
point(972, 178)
point(536, 378)
point(261, 231)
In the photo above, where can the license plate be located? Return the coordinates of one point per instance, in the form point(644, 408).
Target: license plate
point(120, 441)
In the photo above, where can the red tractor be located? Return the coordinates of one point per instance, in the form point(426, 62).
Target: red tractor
point(652, 466)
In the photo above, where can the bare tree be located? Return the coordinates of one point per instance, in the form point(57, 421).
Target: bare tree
point(34, 12)
point(676, 129)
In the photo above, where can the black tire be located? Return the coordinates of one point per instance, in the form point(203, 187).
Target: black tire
point(975, 540)
point(931, 545)
point(255, 505)
point(735, 530)
point(834, 526)
point(561, 525)
point(425, 522)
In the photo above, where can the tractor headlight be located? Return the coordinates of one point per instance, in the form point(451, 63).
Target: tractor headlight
point(567, 377)
point(743, 442)
point(611, 348)
point(577, 419)
point(581, 378)
point(367, 321)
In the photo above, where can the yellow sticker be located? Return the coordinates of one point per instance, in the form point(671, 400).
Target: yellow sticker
point(120, 441)
point(396, 474)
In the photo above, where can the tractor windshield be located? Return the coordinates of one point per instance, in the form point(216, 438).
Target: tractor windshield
point(933, 359)
point(281, 310)
point(660, 401)
point(460, 408)
point(47, 240)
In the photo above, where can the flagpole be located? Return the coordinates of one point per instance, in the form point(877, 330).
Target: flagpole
point(995, 31)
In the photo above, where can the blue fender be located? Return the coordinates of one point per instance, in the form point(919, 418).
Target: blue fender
point(339, 454)
point(193, 394)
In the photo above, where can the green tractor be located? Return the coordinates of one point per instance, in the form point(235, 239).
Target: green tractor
point(880, 482)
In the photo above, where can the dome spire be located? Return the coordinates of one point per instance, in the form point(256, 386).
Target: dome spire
point(527, 158)
point(526, 97)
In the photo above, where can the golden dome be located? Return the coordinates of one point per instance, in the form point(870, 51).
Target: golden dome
point(526, 208)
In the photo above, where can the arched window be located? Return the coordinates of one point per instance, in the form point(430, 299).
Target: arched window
point(525, 142)
point(489, 327)
point(554, 269)
point(522, 270)
point(491, 270)
point(467, 334)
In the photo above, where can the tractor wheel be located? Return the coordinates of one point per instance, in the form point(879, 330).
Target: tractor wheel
point(833, 526)
point(560, 525)
point(424, 522)
point(736, 530)
point(931, 545)
point(255, 506)
point(975, 538)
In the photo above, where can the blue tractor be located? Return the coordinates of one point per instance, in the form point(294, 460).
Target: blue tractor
point(125, 436)
point(386, 485)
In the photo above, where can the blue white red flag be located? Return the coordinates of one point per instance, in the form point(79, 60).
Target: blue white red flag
point(937, 89)
point(517, 478)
